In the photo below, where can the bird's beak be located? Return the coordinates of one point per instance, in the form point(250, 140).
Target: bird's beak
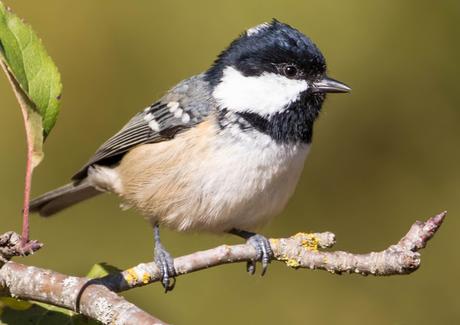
point(329, 85)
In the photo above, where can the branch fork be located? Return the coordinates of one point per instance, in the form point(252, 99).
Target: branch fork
point(97, 298)
point(12, 244)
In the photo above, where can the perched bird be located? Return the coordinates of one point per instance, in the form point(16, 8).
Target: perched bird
point(222, 151)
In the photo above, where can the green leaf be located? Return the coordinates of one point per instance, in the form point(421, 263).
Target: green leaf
point(13, 312)
point(30, 70)
point(15, 304)
point(102, 269)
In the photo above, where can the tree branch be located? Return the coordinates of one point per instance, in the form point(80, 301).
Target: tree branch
point(95, 301)
point(96, 298)
point(298, 251)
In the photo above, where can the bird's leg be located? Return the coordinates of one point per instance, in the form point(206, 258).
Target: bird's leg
point(164, 261)
point(262, 246)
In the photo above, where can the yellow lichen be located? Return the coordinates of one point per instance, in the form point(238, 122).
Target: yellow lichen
point(310, 242)
point(145, 278)
point(292, 263)
point(131, 277)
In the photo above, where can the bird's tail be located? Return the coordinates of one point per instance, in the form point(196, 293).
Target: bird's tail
point(61, 198)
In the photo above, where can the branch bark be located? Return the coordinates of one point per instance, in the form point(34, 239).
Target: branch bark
point(96, 298)
point(95, 301)
point(11, 244)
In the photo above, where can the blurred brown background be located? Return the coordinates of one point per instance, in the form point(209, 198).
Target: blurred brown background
point(382, 157)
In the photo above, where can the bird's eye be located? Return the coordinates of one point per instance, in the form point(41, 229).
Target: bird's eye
point(290, 71)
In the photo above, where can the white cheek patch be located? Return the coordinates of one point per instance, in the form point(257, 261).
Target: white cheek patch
point(266, 94)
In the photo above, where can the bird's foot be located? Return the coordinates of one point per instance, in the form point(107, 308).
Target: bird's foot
point(165, 264)
point(264, 253)
point(262, 246)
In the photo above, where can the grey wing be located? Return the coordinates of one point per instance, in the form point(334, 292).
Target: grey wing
point(179, 110)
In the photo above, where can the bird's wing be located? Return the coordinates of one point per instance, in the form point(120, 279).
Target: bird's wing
point(183, 107)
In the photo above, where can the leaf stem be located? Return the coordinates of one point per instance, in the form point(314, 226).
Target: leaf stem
point(28, 178)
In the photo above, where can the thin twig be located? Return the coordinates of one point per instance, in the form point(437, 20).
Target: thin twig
point(298, 251)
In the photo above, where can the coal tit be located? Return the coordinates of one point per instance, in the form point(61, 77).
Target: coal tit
point(222, 151)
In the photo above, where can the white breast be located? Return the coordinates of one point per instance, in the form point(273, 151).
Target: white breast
point(247, 180)
point(236, 179)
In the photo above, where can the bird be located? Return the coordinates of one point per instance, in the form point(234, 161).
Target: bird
point(220, 152)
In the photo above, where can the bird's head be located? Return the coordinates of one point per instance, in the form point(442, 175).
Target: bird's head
point(268, 69)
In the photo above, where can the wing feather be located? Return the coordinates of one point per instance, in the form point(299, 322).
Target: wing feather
point(159, 122)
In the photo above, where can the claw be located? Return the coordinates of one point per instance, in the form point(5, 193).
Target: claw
point(264, 252)
point(165, 264)
point(263, 249)
point(251, 267)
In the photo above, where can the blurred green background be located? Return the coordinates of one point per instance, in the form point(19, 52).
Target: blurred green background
point(384, 156)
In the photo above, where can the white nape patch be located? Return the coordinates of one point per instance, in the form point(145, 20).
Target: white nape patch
point(266, 94)
point(255, 30)
point(173, 106)
point(154, 126)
